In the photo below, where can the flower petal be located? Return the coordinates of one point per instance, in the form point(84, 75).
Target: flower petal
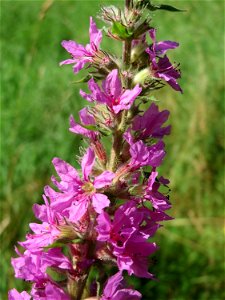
point(95, 33)
point(85, 117)
point(112, 85)
point(99, 202)
point(65, 171)
point(104, 179)
point(74, 49)
point(104, 226)
point(87, 163)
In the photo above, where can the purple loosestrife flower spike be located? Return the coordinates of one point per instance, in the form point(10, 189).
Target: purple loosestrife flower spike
point(107, 211)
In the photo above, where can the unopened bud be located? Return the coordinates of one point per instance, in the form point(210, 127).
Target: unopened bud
point(136, 190)
point(111, 14)
point(137, 51)
point(141, 76)
point(67, 232)
point(100, 151)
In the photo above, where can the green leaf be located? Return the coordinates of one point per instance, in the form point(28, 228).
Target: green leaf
point(84, 79)
point(105, 132)
point(55, 274)
point(153, 98)
point(90, 127)
point(167, 7)
point(121, 31)
point(153, 7)
point(77, 241)
point(54, 245)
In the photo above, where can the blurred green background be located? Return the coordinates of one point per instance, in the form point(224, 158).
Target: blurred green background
point(38, 97)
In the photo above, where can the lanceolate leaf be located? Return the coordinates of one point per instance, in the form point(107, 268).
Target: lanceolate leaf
point(55, 274)
point(84, 79)
point(167, 7)
point(153, 7)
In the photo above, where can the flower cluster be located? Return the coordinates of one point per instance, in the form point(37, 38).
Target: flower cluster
point(107, 212)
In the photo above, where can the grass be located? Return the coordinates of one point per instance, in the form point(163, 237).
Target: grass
point(38, 97)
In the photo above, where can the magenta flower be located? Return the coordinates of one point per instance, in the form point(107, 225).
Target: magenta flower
point(45, 233)
point(86, 119)
point(158, 200)
point(128, 237)
point(112, 93)
point(115, 289)
point(32, 265)
point(143, 155)
point(160, 48)
point(83, 54)
point(150, 123)
point(15, 295)
point(166, 71)
point(163, 69)
point(49, 291)
point(77, 193)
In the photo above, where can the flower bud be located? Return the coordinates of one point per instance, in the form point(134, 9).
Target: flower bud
point(136, 52)
point(136, 190)
point(111, 14)
point(141, 76)
point(67, 232)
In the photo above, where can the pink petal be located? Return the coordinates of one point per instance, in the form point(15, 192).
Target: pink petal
point(129, 96)
point(112, 85)
point(65, 171)
point(15, 295)
point(95, 33)
point(73, 48)
point(86, 96)
point(78, 209)
point(85, 117)
point(78, 129)
point(79, 65)
point(99, 202)
point(87, 163)
point(152, 178)
point(104, 179)
point(152, 33)
point(54, 292)
point(67, 62)
point(104, 227)
point(112, 284)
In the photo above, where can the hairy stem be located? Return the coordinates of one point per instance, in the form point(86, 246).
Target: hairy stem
point(121, 127)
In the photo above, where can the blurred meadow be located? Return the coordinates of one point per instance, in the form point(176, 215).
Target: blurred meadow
point(38, 96)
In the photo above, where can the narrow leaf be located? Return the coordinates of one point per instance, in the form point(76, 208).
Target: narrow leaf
point(84, 79)
point(168, 8)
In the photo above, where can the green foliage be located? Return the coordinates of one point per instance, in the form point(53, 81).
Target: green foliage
point(38, 97)
point(121, 31)
point(153, 7)
point(55, 275)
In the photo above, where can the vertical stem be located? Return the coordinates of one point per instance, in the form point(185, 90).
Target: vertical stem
point(118, 134)
point(127, 4)
point(80, 289)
